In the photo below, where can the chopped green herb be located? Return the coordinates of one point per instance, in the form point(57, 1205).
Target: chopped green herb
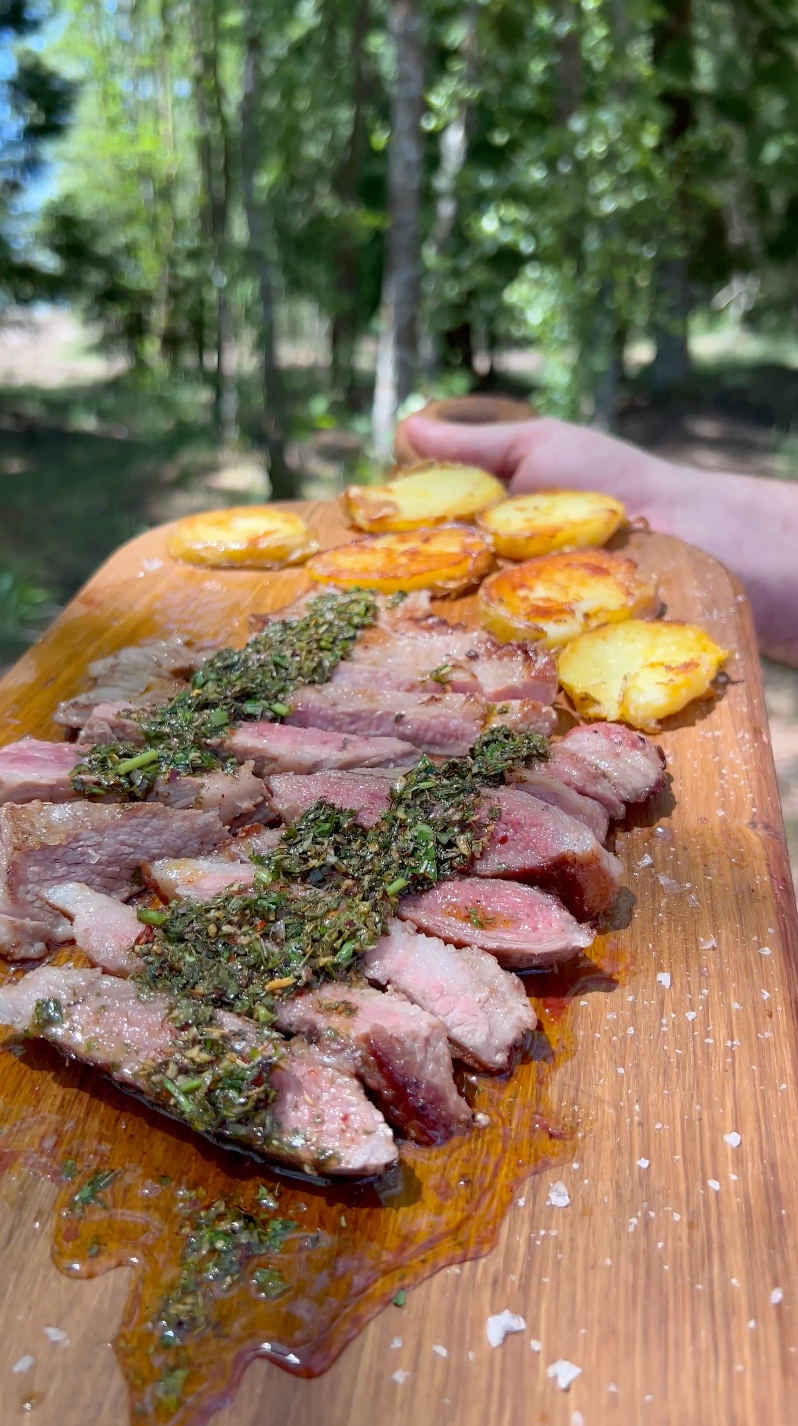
point(400, 1299)
point(269, 1282)
point(170, 1387)
point(47, 1012)
point(93, 1248)
point(220, 1243)
point(149, 917)
point(91, 1191)
point(182, 736)
point(68, 1169)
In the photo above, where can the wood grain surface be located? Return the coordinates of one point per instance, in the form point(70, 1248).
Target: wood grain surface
point(671, 1277)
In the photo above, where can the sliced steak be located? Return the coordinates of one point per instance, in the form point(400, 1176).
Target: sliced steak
point(532, 841)
point(101, 926)
point(276, 747)
point(558, 794)
point(111, 723)
point(519, 925)
point(43, 844)
point(634, 767)
point(368, 796)
point(33, 768)
point(231, 795)
point(438, 723)
point(254, 843)
point(522, 715)
point(197, 878)
point(400, 1052)
point(465, 660)
point(319, 1119)
point(158, 667)
point(484, 1008)
point(584, 778)
point(323, 1119)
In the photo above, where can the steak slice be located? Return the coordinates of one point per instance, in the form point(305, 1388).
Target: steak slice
point(398, 1050)
point(365, 794)
point(521, 926)
point(276, 747)
point(465, 660)
point(535, 842)
point(522, 715)
point(484, 1008)
point(322, 1118)
point(584, 778)
point(43, 844)
point(438, 723)
point(318, 1119)
point(251, 842)
point(102, 926)
point(157, 666)
point(231, 795)
point(549, 789)
point(197, 878)
point(634, 767)
point(34, 768)
point(111, 723)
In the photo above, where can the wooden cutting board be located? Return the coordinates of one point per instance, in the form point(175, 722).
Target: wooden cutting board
point(670, 1279)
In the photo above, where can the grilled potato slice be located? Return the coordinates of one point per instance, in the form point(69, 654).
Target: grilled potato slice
point(445, 560)
point(535, 524)
point(556, 597)
point(430, 493)
point(243, 536)
point(639, 672)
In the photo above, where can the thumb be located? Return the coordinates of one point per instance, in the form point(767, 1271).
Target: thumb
point(497, 448)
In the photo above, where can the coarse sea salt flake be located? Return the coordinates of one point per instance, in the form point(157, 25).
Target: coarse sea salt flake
point(559, 1197)
point(55, 1334)
point(664, 978)
point(563, 1373)
point(642, 1163)
point(397, 1342)
point(24, 1364)
point(577, 1419)
point(776, 1295)
point(399, 1376)
point(535, 1344)
point(713, 1183)
point(501, 1325)
point(708, 944)
point(439, 1350)
point(734, 1139)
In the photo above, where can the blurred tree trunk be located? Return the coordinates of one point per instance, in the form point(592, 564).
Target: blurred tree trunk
point(216, 167)
point(346, 318)
point(452, 155)
point(260, 245)
point(673, 58)
point(398, 339)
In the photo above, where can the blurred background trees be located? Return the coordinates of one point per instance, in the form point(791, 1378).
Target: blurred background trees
point(281, 220)
point(433, 180)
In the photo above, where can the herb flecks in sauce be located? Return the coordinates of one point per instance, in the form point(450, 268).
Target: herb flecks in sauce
point(220, 1244)
point(255, 682)
point(216, 1078)
point(91, 1192)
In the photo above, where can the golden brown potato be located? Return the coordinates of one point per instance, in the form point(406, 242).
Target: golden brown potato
point(245, 536)
point(638, 672)
point(546, 520)
point(445, 560)
point(431, 493)
point(556, 597)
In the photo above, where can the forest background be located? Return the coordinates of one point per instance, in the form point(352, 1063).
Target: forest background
point(238, 236)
